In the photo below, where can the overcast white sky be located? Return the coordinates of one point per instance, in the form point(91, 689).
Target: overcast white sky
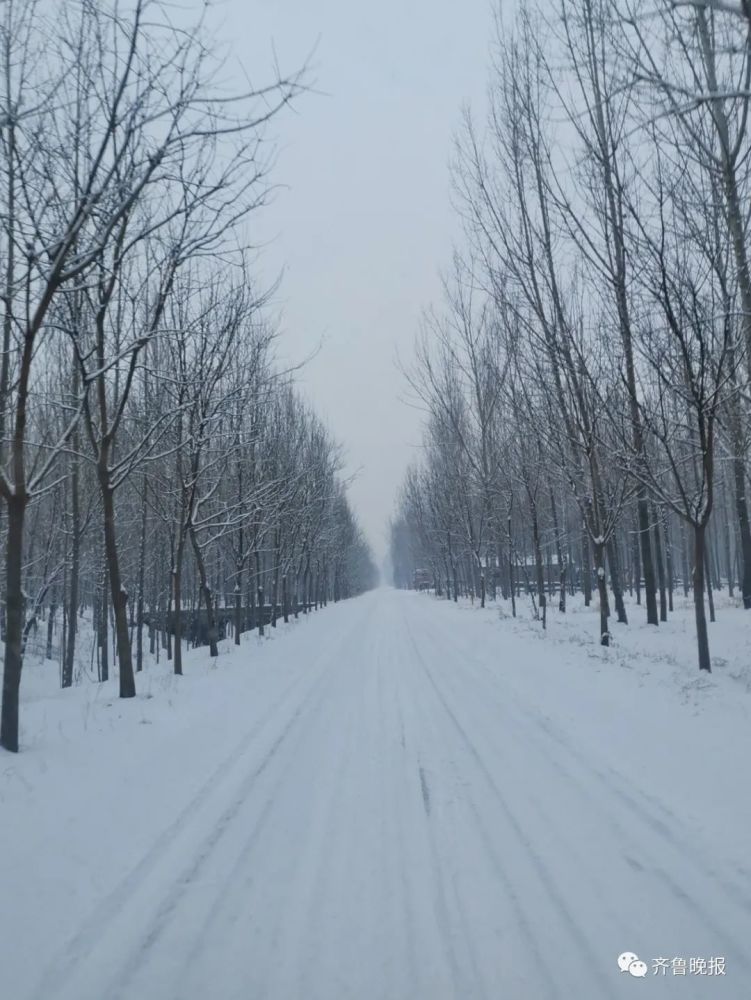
point(364, 225)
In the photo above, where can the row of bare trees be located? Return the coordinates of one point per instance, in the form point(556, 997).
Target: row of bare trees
point(586, 378)
point(149, 446)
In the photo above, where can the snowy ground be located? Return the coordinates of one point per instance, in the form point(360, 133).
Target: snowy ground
point(397, 799)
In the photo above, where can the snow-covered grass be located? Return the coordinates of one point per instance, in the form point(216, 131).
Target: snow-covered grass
point(666, 652)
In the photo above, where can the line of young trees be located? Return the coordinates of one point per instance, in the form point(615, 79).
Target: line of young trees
point(152, 455)
point(586, 379)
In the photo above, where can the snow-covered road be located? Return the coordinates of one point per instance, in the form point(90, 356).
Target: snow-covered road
point(420, 810)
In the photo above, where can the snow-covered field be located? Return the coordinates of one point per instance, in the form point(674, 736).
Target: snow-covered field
point(396, 799)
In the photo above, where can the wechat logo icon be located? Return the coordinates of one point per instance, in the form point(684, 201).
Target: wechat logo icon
point(629, 962)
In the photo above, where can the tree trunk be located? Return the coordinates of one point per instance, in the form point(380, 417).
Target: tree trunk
point(238, 608)
point(166, 633)
point(602, 590)
point(637, 561)
point(118, 594)
point(726, 537)
point(539, 570)
point(75, 570)
point(586, 569)
point(52, 611)
point(275, 589)
point(259, 594)
point(75, 560)
point(702, 638)
point(708, 576)
point(559, 556)
point(207, 595)
point(177, 617)
point(306, 585)
point(741, 506)
point(615, 581)
point(104, 622)
point(660, 569)
point(16, 506)
point(668, 558)
point(685, 544)
point(141, 582)
point(647, 561)
point(252, 603)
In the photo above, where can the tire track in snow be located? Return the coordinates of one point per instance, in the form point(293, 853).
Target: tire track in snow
point(235, 891)
point(543, 726)
point(116, 899)
point(428, 833)
point(508, 713)
point(329, 850)
point(170, 903)
point(610, 780)
point(406, 826)
point(645, 807)
point(468, 980)
point(425, 790)
point(590, 960)
point(566, 845)
point(525, 921)
point(179, 841)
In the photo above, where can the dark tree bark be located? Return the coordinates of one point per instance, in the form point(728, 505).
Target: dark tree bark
point(708, 576)
point(660, 567)
point(208, 596)
point(668, 558)
point(636, 558)
point(75, 557)
point(741, 506)
point(602, 590)
point(559, 556)
point(615, 581)
point(177, 602)
point(275, 581)
point(539, 570)
point(698, 587)
point(104, 649)
point(117, 591)
point(16, 507)
point(51, 612)
point(238, 609)
point(726, 534)
point(141, 581)
point(259, 594)
point(586, 568)
point(685, 563)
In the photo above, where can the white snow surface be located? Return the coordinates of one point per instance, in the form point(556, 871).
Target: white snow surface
point(397, 798)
